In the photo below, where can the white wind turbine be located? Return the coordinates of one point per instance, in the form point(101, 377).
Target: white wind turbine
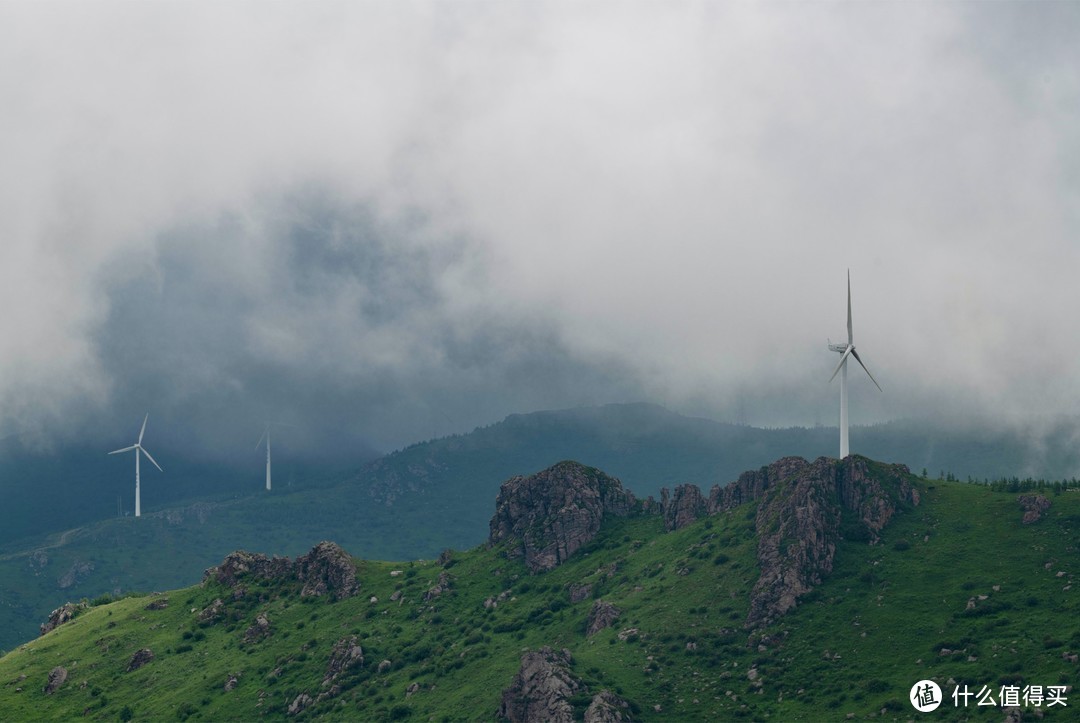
point(847, 350)
point(138, 448)
point(266, 436)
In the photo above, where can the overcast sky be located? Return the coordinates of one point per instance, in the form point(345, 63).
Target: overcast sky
point(387, 220)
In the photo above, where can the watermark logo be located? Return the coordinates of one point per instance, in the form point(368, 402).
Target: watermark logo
point(925, 696)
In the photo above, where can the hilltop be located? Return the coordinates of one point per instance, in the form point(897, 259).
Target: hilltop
point(804, 589)
point(415, 502)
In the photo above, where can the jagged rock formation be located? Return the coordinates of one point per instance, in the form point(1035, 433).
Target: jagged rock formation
point(682, 508)
point(603, 615)
point(57, 676)
point(140, 658)
point(606, 707)
point(443, 585)
point(239, 564)
point(556, 511)
point(541, 690)
point(346, 654)
point(59, 616)
point(799, 520)
point(299, 703)
point(326, 569)
point(1034, 506)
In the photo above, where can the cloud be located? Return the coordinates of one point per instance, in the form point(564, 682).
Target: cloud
point(420, 212)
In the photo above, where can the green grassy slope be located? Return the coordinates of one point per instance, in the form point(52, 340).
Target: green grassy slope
point(854, 645)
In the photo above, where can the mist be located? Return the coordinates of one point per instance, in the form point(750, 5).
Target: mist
point(388, 222)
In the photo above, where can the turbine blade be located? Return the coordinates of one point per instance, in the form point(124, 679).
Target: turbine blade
point(143, 449)
point(843, 359)
point(125, 449)
point(850, 340)
point(259, 443)
point(856, 355)
point(141, 431)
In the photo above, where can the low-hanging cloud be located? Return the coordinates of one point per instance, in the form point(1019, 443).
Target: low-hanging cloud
point(395, 220)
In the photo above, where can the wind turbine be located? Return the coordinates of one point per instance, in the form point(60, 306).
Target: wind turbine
point(847, 350)
point(266, 436)
point(138, 448)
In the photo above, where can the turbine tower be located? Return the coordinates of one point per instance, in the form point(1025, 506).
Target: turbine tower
point(138, 448)
point(847, 350)
point(266, 436)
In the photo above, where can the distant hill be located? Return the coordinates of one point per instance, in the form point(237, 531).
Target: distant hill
point(652, 614)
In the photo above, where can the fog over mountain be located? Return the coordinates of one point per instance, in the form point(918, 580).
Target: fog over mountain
point(385, 222)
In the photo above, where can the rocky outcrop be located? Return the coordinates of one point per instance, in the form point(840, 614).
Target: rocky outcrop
point(579, 591)
point(75, 574)
point(799, 522)
point(241, 564)
point(259, 630)
point(212, 612)
point(1033, 506)
point(63, 614)
point(326, 569)
point(158, 603)
point(299, 703)
point(682, 508)
point(606, 707)
point(346, 654)
point(551, 514)
point(441, 586)
point(140, 658)
point(57, 676)
point(603, 615)
point(541, 690)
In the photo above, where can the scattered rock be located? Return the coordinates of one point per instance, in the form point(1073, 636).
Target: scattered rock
point(396, 596)
point(38, 560)
point(259, 630)
point(554, 512)
point(579, 592)
point(445, 557)
point(231, 681)
point(384, 666)
point(63, 614)
point(541, 690)
point(1033, 506)
point(625, 634)
point(57, 676)
point(413, 687)
point(158, 604)
point(441, 586)
point(345, 654)
point(140, 658)
point(212, 612)
point(299, 703)
point(602, 615)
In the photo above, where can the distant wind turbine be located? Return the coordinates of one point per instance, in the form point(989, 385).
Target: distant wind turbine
point(138, 448)
point(266, 436)
point(847, 350)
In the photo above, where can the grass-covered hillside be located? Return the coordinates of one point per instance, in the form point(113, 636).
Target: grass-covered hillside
point(956, 588)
